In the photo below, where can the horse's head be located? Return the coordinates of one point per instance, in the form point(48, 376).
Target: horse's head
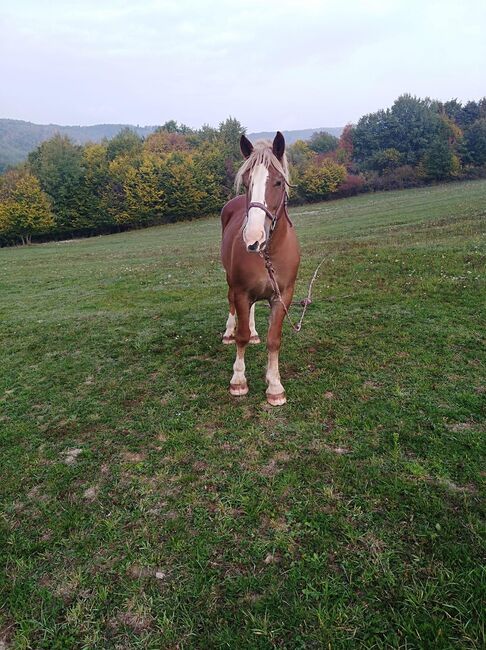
point(265, 176)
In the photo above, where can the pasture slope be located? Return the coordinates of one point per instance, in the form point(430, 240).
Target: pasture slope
point(143, 507)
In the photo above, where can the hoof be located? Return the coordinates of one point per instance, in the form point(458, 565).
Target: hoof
point(238, 389)
point(228, 340)
point(255, 340)
point(276, 400)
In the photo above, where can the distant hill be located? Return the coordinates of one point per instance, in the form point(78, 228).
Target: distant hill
point(293, 136)
point(19, 138)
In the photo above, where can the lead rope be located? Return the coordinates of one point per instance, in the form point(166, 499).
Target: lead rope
point(303, 303)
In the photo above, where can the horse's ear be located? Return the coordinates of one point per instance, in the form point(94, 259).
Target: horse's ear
point(278, 146)
point(245, 146)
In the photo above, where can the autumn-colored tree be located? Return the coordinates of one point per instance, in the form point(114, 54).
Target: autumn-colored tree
point(208, 178)
point(24, 208)
point(144, 193)
point(184, 193)
point(300, 154)
point(346, 142)
point(317, 182)
point(96, 182)
point(113, 197)
point(162, 142)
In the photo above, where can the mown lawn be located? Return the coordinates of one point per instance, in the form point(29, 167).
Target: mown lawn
point(143, 507)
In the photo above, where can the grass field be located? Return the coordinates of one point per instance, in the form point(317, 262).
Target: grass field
point(143, 507)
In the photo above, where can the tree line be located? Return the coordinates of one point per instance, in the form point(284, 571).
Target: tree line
point(65, 189)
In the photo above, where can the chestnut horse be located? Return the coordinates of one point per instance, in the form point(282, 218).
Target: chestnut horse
point(256, 225)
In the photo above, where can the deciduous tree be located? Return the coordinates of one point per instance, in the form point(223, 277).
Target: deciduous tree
point(24, 208)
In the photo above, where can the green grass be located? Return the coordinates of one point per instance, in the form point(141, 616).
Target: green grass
point(349, 518)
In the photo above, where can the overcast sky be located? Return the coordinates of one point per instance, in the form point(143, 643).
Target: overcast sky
point(273, 64)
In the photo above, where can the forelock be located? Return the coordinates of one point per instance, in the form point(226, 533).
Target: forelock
point(262, 154)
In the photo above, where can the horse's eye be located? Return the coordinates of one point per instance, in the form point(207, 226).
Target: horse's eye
point(278, 183)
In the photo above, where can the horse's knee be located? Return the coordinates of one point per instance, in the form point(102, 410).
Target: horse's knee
point(242, 338)
point(273, 342)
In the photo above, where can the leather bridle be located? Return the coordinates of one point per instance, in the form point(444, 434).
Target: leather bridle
point(273, 217)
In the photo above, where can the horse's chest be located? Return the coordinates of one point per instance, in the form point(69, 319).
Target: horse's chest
point(262, 288)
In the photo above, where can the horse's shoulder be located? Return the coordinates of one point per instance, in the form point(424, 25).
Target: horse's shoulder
point(234, 205)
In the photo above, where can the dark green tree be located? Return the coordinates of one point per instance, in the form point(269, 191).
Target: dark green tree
point(475, 143)
point(440, 162)
point(230, 132)
point(171, 126)
point(127, 142)
point(96, 181)
point(409, 126)
point(469, 113)
point(452, 109)
point(322, 142)
point(385, 160)
point(58, 163)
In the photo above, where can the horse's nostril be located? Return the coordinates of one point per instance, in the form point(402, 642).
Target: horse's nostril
point(253, 247)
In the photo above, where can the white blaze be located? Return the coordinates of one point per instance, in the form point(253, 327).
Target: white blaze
point(255, 225)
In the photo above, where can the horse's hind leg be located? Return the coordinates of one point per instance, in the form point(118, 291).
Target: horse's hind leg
point(254, 338)
point(229, 334)
point(238, 384)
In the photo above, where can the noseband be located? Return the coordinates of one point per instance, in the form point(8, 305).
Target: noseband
point(273, 217)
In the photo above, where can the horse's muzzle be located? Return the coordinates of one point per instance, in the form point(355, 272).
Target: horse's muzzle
point(257, 247)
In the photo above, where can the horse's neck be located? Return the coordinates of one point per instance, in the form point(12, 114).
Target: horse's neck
point(279, 233)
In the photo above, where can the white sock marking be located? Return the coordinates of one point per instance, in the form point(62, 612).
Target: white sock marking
point(239, 368)
point(230, 326)
point(253, 331)
point(273, 375)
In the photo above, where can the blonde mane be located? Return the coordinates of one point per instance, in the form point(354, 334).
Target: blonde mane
point(262, 154)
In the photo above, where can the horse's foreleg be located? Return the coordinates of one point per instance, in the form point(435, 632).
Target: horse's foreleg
point(275, 390)
point(238, 384)
point(254, 338)
point(229, 334)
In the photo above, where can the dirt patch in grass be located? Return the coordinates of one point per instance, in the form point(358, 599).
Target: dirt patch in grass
point(450, 485)
point(36, 495)
point(457, 427)
point(275, 464)
point(136, 621)
point(270, 469)
point(133, 457)
point(340, 451)
point(91, 493)
point(71, 455)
